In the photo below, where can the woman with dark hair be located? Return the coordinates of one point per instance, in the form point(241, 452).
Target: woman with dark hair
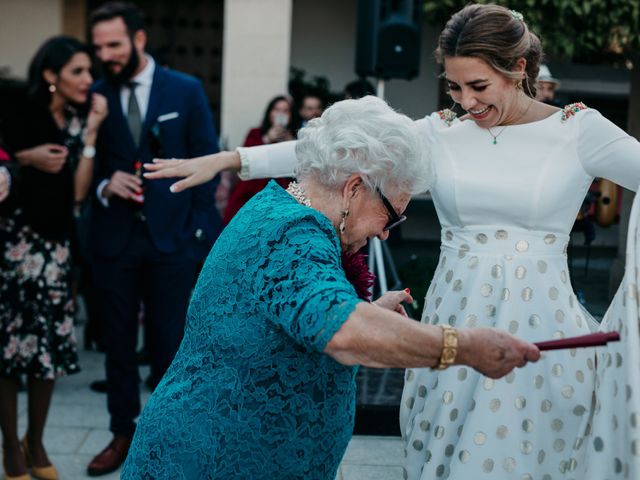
point(276, 127)
point(511, 174)
point(52, 136)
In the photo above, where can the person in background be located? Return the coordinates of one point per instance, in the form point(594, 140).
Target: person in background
point(546, 87)
point(276, 127)
point(52, 136)
point(146, 242)
point(311, 106)
point(358, 89)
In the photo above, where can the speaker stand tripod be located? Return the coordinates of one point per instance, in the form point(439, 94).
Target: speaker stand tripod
point(379, 254)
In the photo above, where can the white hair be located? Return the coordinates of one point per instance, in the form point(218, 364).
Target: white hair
point(364, 136)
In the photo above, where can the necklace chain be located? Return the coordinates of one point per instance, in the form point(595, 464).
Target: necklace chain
point(297, 192)
point(495, 137)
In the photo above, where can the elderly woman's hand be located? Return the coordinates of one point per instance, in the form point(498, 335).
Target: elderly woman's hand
point(195, 171)
point(493, 352)
point(392, 300)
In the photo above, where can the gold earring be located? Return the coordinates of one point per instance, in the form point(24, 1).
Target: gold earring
point(52, 88)
point(342, 227)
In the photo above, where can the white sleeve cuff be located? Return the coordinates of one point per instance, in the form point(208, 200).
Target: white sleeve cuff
point(268, 161)
point(104, 201)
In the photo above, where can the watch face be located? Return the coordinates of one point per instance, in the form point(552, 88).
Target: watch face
point(89, 151)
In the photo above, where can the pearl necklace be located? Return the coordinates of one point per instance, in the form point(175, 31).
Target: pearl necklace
point(297, 192)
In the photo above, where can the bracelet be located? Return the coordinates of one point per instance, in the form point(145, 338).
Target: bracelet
point(449, 347)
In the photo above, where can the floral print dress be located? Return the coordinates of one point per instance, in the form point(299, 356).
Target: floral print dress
point(36, 305)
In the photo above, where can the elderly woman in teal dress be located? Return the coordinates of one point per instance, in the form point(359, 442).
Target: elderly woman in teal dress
point(263, 383)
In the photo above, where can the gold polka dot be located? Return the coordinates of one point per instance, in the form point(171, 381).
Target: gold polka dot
point(464, 249)
point(553, 293)
point(534, 321)
point(598, 444)
point(438, 301)
point(448, 235)
point(439, 432)
point(508, 257)
point(618, 360)
point(542, 266)
point(527, 425)
point(538, 381)
point(440, 470)
point(405, 474)
point(520, 402)
point(447, 397)
point(410, 375)
point(487, 465)
point(563, 276)
point(635, 419)
point(473, 262)
point(472, 406)
point(453, 415)
point(494, 405)
point(479, 438)
point(457, 285)
point(490, 311)
point(481, 238)
point(635, 447)
point(502, 432)
point(462, 374)
point(422, 391)
point(567, 391)
point(549, 239)
point(590, 363)
point(464, 456)
point(513, 326)
point(427, 456)
point(409, 402)
point(558, 334)
point(521, 272)
point(501, 235)
point(418, 445)
point(425, 425)
point(546, 476)
point(557, 425)
point(452, 320)
point(522, 246)
point(527, 476)
point(559, 316)
point(506, 294)
point(449, 276)
point(463, 303)
point(509, 464)
point(580, 376)
point(546, 405)
point(541, 456)
point(558, 445)
point(448, 451)
point(460, 427)
point(578, 443)
point(510, 377)
point(486, 290)
point(472, 320)
point(617, 465)
point(488, 383)
point(557, 370)
point(527, 294)
point(496, 271)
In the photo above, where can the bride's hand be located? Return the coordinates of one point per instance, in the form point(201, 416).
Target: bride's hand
point(195, 171)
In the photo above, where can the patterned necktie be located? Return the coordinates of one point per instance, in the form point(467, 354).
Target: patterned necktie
point(134, 119)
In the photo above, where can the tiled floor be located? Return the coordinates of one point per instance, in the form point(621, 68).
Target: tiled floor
point(77, 429)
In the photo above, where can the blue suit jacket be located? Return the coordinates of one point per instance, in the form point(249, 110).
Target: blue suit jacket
point(185, 223)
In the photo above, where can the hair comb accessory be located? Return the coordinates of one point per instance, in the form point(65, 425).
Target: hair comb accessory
point(517, 15)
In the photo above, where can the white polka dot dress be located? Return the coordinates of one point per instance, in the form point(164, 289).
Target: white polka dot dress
point(506, 211)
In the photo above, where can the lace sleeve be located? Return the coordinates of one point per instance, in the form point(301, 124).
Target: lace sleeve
point(304, 288)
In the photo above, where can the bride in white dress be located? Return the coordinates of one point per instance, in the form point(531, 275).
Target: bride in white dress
point(510, 177)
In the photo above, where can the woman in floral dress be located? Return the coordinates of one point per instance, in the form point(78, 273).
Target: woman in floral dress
point(52, 140)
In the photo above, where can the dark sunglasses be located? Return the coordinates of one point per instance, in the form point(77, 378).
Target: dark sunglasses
point(394, 218)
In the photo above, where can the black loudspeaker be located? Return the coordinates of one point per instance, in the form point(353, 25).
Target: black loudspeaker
point(388, 38)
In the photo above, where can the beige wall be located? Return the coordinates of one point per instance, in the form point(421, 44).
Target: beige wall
point(255, 62)
point(323, 42)
point(24, 25)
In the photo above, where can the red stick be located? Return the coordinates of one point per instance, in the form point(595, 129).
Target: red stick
point(590, 340)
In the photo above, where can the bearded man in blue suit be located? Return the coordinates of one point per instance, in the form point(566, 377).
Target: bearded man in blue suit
point(146, 241)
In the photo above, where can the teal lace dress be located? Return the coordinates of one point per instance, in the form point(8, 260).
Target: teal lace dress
point(250, 393)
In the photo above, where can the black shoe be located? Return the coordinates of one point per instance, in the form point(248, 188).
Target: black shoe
point(99, 386)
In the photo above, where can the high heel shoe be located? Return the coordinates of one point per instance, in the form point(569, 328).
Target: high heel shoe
point(6, 476)
point(42, 473)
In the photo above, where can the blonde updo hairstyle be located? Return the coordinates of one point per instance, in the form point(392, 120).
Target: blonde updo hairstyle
point(496, 35)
